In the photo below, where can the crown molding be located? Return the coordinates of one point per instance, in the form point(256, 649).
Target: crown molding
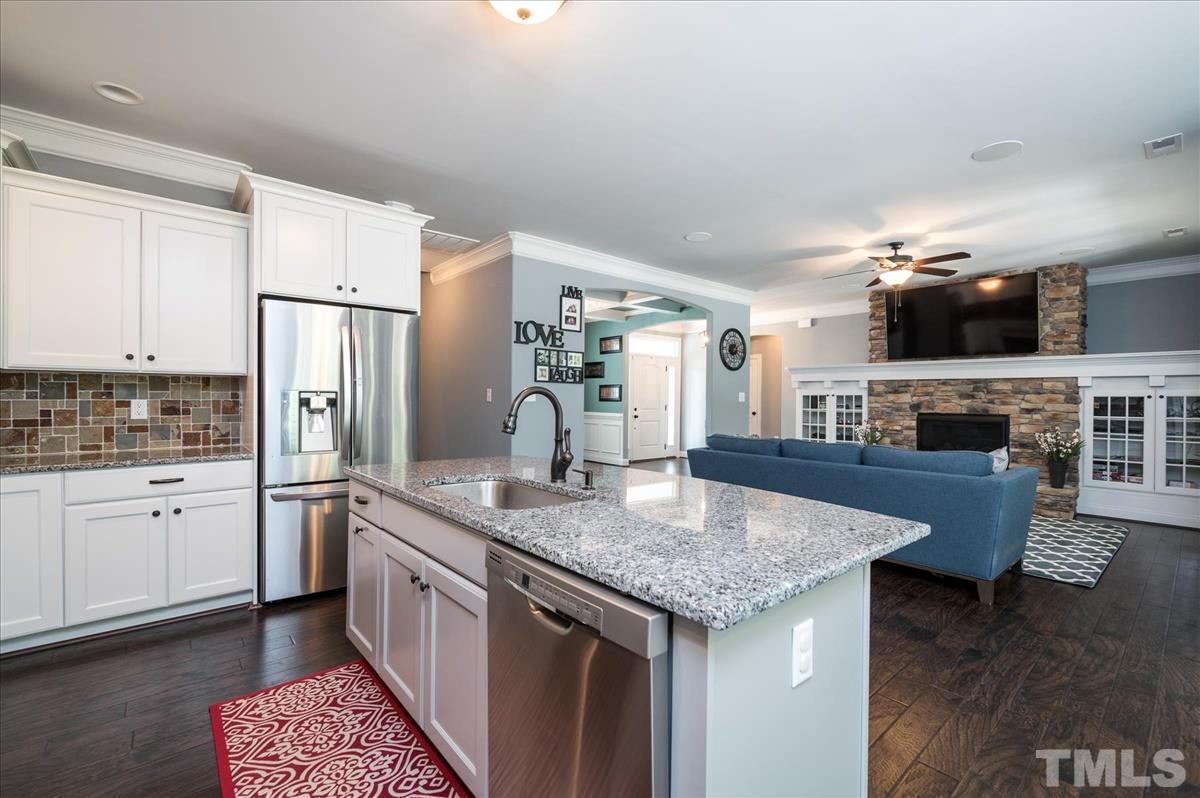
point(824, 310)
point(1145, 270)
point(250, 182)
point(528, 246)
point(16, 153)
point(85, 143)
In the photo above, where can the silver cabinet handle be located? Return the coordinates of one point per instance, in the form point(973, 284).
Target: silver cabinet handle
point(312, 494)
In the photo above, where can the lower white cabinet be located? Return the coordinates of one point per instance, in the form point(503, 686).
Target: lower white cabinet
point(115, 559)
point(423, 626)
point(208, 546)
point(31, 577)
point(362, 587)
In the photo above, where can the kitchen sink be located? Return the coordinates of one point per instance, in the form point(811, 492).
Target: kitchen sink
point(502, 495)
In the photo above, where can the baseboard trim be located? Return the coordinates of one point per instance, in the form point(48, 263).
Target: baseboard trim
point(1089, 506)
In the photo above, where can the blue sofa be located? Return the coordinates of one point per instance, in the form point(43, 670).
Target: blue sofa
point(979, 520)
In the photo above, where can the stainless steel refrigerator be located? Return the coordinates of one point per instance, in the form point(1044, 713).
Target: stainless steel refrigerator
point(338, 388)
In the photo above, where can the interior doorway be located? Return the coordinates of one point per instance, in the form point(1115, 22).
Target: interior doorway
point(653, 406)
point(756, 416)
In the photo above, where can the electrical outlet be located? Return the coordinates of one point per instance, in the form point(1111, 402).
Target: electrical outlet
point(137, 409)
point(487, 394)
point(802, 652)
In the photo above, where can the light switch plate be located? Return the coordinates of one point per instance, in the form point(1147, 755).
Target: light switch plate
point(137, 409)
point(741, 396)
point(487, 395)
point(802, 652)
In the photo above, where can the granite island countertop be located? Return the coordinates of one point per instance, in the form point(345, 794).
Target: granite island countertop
point(711, 552)
point(121, 458)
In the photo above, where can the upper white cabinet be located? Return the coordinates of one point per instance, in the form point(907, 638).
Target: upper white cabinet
point(318, 245)
point(193, 280)
point(71, 283)
point(31, 576)
point(101, 279)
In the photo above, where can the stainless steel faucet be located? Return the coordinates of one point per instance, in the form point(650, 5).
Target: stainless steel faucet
point(560, 461)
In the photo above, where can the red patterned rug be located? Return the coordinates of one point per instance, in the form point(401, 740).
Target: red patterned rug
point(337, 733)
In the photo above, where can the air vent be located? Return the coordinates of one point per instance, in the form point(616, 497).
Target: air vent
point(1168, 145)
point(446, 242)
point(1175, 232)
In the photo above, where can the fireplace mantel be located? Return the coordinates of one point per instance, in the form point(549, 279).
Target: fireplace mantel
point(1084, 367)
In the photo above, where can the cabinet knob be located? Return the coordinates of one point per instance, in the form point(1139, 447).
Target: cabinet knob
point(156, 513)
point(361, 500)
point(359, 529)
point(413, 579)
point(149, 357)
point(353, 289)
point(339, 288)
point(423, 586)
point(129, 356)
point(177, 510)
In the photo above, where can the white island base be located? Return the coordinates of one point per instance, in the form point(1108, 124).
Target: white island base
point(739, 727)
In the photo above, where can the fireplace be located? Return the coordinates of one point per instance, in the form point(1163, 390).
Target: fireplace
point(963, 432)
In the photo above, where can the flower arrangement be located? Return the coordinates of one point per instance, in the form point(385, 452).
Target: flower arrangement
point(1057, 447)
point(868, 434)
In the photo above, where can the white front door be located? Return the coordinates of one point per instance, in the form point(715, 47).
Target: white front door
point(647, 407)
point(756, 394)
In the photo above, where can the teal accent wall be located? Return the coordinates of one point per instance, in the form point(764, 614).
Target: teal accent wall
point(614, 364)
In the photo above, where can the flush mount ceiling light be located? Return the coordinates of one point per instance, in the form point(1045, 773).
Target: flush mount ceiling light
point(698, 237)
point(895, 276)
point(527, 12)
point(118, 93)
point(1070, 253)
point(997, 150)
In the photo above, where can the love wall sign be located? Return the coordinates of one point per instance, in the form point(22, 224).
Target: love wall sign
point(535, 332)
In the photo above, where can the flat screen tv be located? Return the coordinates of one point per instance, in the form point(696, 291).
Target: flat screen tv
point(988, 316)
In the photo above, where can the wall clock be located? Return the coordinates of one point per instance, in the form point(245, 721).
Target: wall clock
point(733, 349)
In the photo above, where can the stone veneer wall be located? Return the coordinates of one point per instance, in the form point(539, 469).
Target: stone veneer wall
point(1062, 309)
point(85, 417)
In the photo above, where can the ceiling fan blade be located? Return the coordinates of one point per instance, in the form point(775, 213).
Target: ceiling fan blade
point(938, 272)
point(876, 281)
point(847, 274)
point(941, 258)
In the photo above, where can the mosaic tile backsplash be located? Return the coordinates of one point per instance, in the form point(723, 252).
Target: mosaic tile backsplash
point(85, 417)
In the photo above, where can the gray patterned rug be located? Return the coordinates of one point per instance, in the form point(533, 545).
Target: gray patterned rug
point(1074, 552)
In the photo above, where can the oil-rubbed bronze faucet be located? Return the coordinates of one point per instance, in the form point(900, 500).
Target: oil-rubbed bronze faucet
point(560, 461)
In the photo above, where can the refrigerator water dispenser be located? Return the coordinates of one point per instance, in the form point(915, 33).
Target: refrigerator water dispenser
point(312, 421)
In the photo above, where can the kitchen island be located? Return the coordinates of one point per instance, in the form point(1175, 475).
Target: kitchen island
point(739, 570)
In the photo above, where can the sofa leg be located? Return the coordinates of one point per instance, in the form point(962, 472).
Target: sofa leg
point(987, 591)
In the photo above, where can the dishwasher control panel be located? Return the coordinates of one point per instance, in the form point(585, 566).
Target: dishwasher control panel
point(563, 602)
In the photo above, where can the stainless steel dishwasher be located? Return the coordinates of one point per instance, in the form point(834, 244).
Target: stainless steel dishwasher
point(577, 685)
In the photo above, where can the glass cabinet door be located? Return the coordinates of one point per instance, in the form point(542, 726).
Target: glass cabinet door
point(848, 413)
point(1179, 442)
point(814, 410)
point(1118, 441)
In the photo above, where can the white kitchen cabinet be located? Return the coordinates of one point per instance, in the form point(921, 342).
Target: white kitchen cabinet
point(383, 262)
point(401, 659)
point(193, 295)
point(115, 559)
point(71, 282)
point(31, 574)
point(362, 587)
point(208, 540)
point(830, 416)
point(303, 247)
point(456, 664)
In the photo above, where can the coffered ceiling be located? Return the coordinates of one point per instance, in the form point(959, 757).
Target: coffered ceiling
point(803, 136)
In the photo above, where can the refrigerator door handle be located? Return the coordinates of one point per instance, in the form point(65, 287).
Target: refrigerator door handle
point(347, 408)
point(358, 395)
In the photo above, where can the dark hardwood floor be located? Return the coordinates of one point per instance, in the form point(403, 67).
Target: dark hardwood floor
point(962, 694)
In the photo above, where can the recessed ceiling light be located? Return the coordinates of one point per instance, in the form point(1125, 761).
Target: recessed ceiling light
point(527, 12)
point(118, 93)
point(1070, 253)
point(698, 237)
point(1175, 232)
point(997, 150)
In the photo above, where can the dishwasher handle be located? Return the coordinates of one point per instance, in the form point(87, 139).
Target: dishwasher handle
point(542, 612)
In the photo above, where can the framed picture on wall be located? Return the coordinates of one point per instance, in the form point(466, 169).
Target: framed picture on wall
point(610, 393)
point(593, 369)
point(611, 345)
point(570, 313)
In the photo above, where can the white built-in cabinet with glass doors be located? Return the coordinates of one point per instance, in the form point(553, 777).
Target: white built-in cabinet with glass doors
point(830, 415)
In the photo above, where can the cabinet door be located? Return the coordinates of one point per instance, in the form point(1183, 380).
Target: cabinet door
point(1178, 442)
point(303, 248)
point(402, 622)
point(71, 283)
point(362, 587)
point(383, 262)
point(456, 654)
point(208, 544)
point(812, 417)
point(31, 568)
point(193, 296)
point(116, 559)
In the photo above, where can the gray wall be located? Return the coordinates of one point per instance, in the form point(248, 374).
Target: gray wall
point(131, 181)
point(1160, 315)
point(838, 339)
point(771, 349)
point(535, 292)
point(465, 340)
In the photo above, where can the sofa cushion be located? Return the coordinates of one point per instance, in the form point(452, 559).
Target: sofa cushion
point(971, 464)
point(850, 453)
point(737, 443)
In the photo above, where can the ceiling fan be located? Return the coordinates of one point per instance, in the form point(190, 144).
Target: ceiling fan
point(895, 269)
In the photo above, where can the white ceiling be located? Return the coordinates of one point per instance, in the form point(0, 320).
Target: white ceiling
point(803, 136)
